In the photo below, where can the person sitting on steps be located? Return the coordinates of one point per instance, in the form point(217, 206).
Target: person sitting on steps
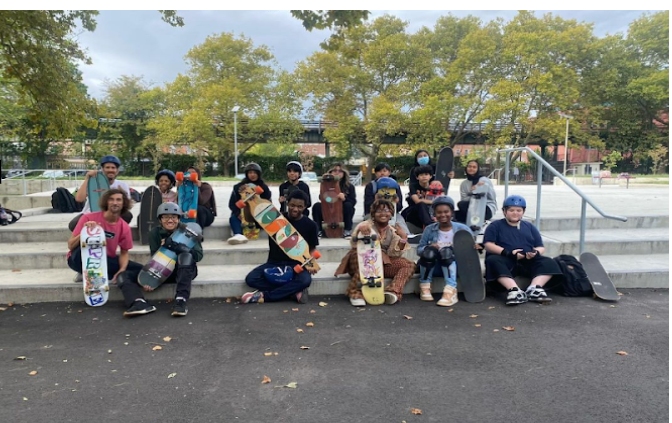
point(252, 176)
point(417, 211)
point(348, 197)
point(207, 209)
point(294, 172)
point(474, 180)
point(165, 181)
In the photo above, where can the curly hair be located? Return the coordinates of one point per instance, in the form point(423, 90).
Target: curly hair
point(109, 193)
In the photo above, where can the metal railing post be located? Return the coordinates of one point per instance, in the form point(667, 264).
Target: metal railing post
point(506, 174)
point(540, 175)
point(25, 188)
point(582, 235)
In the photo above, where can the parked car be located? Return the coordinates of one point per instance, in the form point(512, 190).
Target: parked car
point(52, 174)
point(76, 172)
point(308, 177)
point(12, 173)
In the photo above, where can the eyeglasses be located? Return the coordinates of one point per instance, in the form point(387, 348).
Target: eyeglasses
point(168, 217)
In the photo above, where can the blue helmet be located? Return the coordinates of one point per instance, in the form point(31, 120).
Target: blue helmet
point(279, 275)
point(514, 200)
point(386, 182)
point(110, 159)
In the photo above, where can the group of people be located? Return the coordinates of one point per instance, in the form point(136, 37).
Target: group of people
point(513, 246)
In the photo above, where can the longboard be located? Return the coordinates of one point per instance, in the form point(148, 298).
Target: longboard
point(151, 200)
point(468, 267)
point(477, 204)
point(444, 165)
point(603, 287)
point(332, 207)
point(278, 228)
point(95, 189)
point(94, 266)
point(187, 195)
point(370, 260)
point(162, 264)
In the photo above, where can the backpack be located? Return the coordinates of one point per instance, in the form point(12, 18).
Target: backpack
point(574, 280)
point(136, 196)
point(64, 201)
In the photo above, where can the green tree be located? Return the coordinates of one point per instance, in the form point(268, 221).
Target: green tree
point(337, 20)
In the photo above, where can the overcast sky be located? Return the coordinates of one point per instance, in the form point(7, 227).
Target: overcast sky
point(140, 43)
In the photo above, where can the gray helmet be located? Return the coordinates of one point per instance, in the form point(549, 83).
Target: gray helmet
point(195, 228)
point(443, 199)
point(169, 208)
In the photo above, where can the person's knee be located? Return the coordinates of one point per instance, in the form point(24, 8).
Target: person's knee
point(185, 260)
point(447, 256)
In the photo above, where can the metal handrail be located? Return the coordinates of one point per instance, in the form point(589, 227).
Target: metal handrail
point(540, 167)
point(52, 179)
point(499, 173)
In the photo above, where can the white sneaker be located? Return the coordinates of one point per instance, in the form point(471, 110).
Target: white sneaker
point(78, 278)
point(237, 239)
point(391, 298)
point(357, 302)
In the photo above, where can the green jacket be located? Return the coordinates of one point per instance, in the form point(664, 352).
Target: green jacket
point(158, 234)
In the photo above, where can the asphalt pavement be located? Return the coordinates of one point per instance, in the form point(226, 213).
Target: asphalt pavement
point(557, 362)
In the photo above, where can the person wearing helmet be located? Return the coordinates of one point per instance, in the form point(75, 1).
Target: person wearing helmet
point(272, 281)
point(165, 180)
point(436, 252)
point(110, 167)
point(475, 179)
point(376, 188)
point(382, 170)
point(294, 172)
point(252, 176)
point(393, 244)
point(417, 211)
point(207, 209)
point(185, 271)
point(514, 247)
point(348, 197)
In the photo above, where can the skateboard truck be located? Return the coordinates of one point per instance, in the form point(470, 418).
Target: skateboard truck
point(366, 239)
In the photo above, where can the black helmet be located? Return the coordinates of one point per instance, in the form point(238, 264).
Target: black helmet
point(168, 173)
point(295, 166)
point(110, 159)
point(443, 199)
point(168, 208)
point(252, 166)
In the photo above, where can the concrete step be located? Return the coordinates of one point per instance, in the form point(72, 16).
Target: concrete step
point(218, 281)
point(603, 242)
point(634, 222)
point(21, 202)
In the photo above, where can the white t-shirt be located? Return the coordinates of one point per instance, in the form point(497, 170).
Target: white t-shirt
point(445, 238)
point(116, 184)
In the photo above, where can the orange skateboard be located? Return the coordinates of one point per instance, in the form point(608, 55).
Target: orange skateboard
point(278, 228)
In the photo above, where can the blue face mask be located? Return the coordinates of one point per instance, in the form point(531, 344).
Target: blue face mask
point(423, 160)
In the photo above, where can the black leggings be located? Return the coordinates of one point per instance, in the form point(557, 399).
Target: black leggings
point(463, 209)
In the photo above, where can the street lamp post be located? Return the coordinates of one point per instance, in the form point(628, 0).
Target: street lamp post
point(235, 137)
point(564, 166)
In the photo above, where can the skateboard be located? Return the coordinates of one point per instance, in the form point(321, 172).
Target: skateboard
point(187, 195)
point(477, 204)
point(444, 166)
point(603, 287)
point(278, 228)
point(290, 189)
point(151, 200)
point(370, 260)
point(435, 190)
point(250, 229)
point(389, 194)
point(332, 207)
point(94, 266)
point(162, 264)
point(95, 189)
point(468, 267)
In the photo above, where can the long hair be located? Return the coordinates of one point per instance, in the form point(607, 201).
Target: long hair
point(344, 183)
point(109, 193)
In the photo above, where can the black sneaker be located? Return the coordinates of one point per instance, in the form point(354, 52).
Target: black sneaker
point(180, 307)
point(139, 307)
point(302, 297)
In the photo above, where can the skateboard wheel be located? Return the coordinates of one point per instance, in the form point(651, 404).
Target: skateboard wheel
point(316, 254)
point(341, 225)
point(240, 204)
point(324, 226)
point(298, 268)
point(179, 176)
point(374, 237)
point(191, 214)
point(193, 177)
point(258, 189)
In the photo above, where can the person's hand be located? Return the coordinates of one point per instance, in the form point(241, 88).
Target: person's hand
point(163, 241)
point(92, 173)
point(282, 199)
point(114, 278)
point(435, 245)
point(518, 254)
point(532, 254)
point(147, 288)
point(400, 231)
point(198, 183)
point(91, 224)
point(341, 196)
point(311, 270)
point(178, 183)
point(364, 229)
point(451, 174)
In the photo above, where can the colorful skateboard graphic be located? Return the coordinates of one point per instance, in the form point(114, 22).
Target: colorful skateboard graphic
point(151, 200)
point(187, 195)
point(162, 264)
point(370, 261)
point(603, 287)
point(95, 189)
point(332, 207)
point(477, 204)
point(468, 267)
point(94, 266)
point(278, 228)
point(444, 166)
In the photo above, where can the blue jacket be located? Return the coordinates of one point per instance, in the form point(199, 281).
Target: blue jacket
point(431, 234)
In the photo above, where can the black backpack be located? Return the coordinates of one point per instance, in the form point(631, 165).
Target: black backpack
point(574, 280)
point(63, 201)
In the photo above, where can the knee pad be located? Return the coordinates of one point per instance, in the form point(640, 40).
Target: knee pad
point(447, 256)
point(185, 260)
point(429, 257)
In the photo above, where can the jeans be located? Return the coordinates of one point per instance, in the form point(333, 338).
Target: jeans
point(451, 279)
point(273, 292)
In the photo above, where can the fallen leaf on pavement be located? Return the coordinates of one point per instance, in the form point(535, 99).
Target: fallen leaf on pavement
point(509, 328)
point(25, 399)
point(21, 357)
point(33, 373)
point(450, 310)
point(303, 347)
point(292, 385)
point(285, 311)
point(312, 311)
point(322, 304)
point(310, 324)
point(612, 306)
point(300, 330)
point(228, 300)
point(109, 351)
point(473, 316)
point(275, 353)
point(495, 330)
point(295, 309)
point(3, 308)
point(156, 348)
point(167, 338)
point(266, 379)
point(620, 294)
point(172, 375)
point(268, 354)
point(622, 353)
point(10, 304)
point(478, 325)
point(491, 307)
point(416, 411)
point(407, 317)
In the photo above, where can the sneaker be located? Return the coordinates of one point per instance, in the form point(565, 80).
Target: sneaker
point(252, 297)
point(426, 292)
point(320, 234)
point(302, 297)
point(139, 307)
point(347, 234)
point(391, 298)
point(78, 278)
point(537, 294)
point(515, 296)
point(449, 297)
point(357, 302)
point(237, 239)
point(180, 307)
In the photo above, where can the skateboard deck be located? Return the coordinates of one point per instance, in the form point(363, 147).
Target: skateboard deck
point(468, 267)
point(444, 166)
point(477, 204)
point(389, 194)
point(187, 196)
point(94, 266)
point(151, 200)
point(332, 207)
point(278, 228)
point(290, 189)
point(370, 261)
point(162, 264)
point(603, 287)
point(250, 229)
point(95, 189)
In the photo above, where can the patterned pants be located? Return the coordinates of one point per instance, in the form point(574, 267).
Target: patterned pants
point(400, 270)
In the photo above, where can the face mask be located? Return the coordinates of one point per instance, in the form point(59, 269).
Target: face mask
point(423, 160)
